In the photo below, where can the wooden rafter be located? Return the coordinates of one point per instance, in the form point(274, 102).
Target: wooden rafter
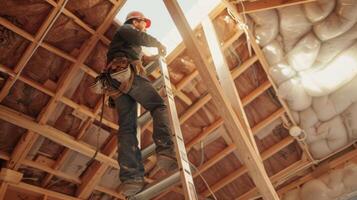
point(242, 170)
point(3, 188)
point(93, 114)
point(338, 162)
point(53, 134)
point(260, 5)
point(225, 78)
point(37, 40)
point(66, 152)
point(248, 154)
point(39, 190)
point(93, 174)
point(298, 166)
point(265, 66)
point(29, 138)
point(24, 146)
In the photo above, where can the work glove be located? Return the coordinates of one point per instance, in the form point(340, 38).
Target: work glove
point(162, 50)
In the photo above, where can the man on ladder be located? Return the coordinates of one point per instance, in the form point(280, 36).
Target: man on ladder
point(124, 58)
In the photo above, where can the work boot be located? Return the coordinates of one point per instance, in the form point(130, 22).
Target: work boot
point(132, 186)
point(166, 160)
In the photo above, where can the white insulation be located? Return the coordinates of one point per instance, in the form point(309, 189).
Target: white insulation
point(312, 53)
point(339, 184)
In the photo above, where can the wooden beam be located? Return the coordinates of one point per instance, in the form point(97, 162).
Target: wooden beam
point(277, 114)
point(53, 134)
point(66, 152)
point(213, 160)
point(194, 108)
point(58, 173)
point(205, 166)
point(255, 6)
point(48, 169)
point(207, 97)
point(234, 127)
point(109, 192)
point(3, 189)
point(237, 71)
point(339, 161)
point(81, 23)
point(206, 131)
point(290, 170)
point(259, 53)
point(265, 66)
point(225, 78)
point(30, 50)
point(94, 172)
point(39, 190)
point(242, 170)
point(10, 176)
point(255, 93)
point(63, 84)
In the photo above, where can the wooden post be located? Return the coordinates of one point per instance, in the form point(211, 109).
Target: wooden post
point(225, 78)
point(235, 128)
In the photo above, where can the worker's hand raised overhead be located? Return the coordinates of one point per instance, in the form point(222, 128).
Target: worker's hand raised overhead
point(161, 50)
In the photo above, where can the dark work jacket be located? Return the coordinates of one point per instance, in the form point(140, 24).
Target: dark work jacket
point(127, 42)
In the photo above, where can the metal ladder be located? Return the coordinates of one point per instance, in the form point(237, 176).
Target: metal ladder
point(184, 171)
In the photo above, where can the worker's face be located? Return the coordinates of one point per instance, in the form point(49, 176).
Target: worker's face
point(140, 25)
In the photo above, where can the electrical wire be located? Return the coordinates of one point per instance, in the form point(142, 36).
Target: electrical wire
point(204, 180)
point(98, 133)
point(202, 153)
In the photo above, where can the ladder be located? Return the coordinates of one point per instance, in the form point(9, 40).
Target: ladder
point(184, 171)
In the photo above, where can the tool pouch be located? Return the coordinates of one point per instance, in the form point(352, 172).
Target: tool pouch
point(117, 72)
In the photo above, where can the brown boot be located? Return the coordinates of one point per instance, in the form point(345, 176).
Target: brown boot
point(132, 186)
point(167, 162)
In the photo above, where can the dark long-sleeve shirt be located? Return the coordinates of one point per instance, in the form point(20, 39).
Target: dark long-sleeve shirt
point(127, 41)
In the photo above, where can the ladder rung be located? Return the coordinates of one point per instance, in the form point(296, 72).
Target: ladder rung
point(144, 118)
point(148, 151)
point(152, 66)
point(157, 188)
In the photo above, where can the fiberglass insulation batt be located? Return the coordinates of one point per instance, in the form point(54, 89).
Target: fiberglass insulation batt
point(312, 53)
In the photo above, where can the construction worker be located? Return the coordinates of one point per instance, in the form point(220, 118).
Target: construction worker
point(124, 58)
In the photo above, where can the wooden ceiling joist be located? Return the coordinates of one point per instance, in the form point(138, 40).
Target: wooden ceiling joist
point(226, 80)
point(94, 173)
point(256, 6)
point(66, 152)
point(242, 170)
point(247, 153)
point(265, 65)
point(207, 164)
point(37, 40)
point(24, 147)
point(39, 190)
point(3, 188)
point(53, 134)
point(298, 166)
point(337, 162)
point(90, 179)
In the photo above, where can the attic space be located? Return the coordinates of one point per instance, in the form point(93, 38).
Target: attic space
point(275, 114)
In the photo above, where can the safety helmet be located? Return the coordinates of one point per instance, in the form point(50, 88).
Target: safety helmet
point(138, 15)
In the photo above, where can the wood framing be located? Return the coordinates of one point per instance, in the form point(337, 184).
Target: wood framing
point(340, 161)
point(242, 170)
point(53, 134)
point(256, 6)
point(229, 104)
point(225, 78)
point(248, 154)
point(40, 35)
